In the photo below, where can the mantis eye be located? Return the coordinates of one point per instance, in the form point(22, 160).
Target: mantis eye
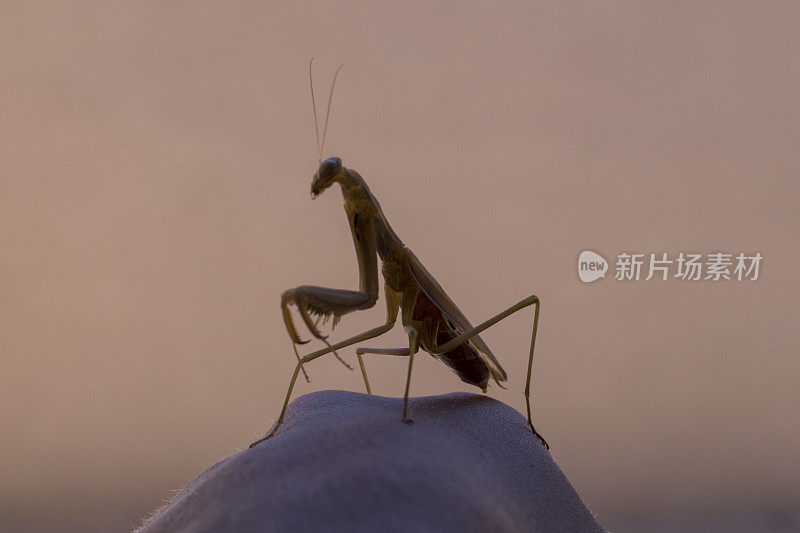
point(330, 167)
point(332, 164)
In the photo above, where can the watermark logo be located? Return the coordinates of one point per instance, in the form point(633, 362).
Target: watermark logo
point(632, 266)
point(591, 266)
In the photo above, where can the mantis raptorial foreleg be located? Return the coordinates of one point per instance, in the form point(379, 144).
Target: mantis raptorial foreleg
point(324, 303)
point(312, 327)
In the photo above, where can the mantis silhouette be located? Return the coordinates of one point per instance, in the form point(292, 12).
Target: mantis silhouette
point(432, 321)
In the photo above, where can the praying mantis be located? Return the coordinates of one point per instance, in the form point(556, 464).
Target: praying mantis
point(430, 318)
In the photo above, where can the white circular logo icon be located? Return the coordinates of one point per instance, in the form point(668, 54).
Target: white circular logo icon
point(591, 266)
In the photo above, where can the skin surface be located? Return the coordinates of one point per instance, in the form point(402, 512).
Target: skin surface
point(342, 462)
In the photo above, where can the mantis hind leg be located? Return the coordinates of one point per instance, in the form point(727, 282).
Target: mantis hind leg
point(528, 380)
point(285, 405)
point(392, 307)
point(464, 337)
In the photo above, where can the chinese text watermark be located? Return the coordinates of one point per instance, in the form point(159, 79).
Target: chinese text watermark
point(716, 266)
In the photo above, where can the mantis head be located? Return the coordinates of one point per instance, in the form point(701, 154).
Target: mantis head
point(328, 172)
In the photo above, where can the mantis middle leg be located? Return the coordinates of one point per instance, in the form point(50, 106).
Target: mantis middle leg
point(377, 351)
point(413, 348)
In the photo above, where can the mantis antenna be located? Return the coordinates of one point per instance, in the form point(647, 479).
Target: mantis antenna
point(321, 146)
point(314, 107)
point(328, 111)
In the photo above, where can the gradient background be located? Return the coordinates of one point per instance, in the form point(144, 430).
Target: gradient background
point(155, 163)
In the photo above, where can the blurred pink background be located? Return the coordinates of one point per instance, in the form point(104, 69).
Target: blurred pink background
point(155, 163)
